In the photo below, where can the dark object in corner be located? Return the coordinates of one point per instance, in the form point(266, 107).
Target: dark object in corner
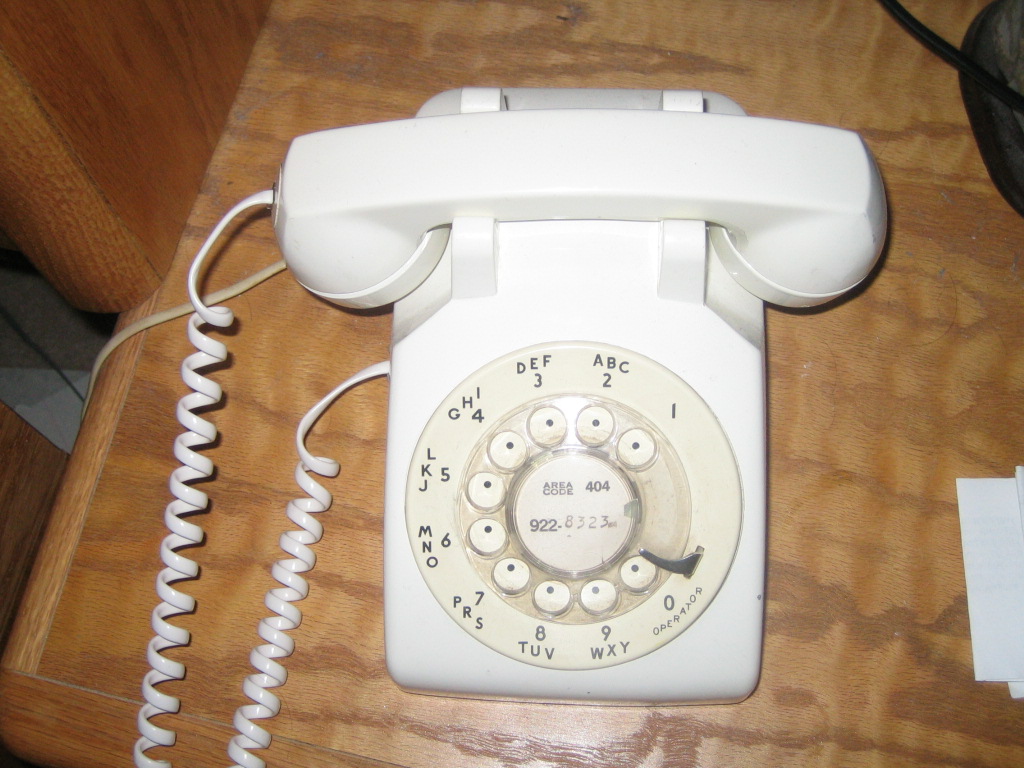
point(995, 40)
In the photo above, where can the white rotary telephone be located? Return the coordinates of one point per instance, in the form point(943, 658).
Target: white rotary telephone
point(575, 492)
point(575, 489)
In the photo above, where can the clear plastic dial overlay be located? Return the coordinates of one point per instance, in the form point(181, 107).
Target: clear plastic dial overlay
point(539, 479)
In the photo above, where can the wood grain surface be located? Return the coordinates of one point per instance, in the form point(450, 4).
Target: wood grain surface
point(27, 489)
point(111, 113)
point(33, 467)
point(876, 405)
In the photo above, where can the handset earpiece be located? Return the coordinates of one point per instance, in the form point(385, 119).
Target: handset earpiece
point(812, 258)
point(399, 278)
point(356, 262)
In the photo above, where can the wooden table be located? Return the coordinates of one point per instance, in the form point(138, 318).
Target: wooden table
point(877, 405)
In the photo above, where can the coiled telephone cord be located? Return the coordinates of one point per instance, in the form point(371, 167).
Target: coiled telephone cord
point(270, 673)
point(194, 466)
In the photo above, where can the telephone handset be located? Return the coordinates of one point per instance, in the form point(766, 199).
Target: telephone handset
point(798, 210)
point(575, 491)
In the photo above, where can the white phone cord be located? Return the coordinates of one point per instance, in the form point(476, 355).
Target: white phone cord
point(193, 467)
point(270, 673)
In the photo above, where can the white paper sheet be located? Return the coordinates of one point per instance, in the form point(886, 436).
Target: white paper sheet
point(992, 531)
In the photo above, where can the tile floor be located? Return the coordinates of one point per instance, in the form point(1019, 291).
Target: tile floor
point(46, 351)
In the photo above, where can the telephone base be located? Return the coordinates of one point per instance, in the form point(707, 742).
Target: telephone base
point(655, 439)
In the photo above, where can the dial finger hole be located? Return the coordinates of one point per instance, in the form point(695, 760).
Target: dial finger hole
point(637, 449)
point(511, 576)
point(486, 491)
point(552, 597)
point(595, 425)
point(598, 596)
point(487, 537)
point(547, 426)
point(638, 573)
point(508, 451)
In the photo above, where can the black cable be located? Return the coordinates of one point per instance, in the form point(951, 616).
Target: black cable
point(19, 331)
point(951, 55)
